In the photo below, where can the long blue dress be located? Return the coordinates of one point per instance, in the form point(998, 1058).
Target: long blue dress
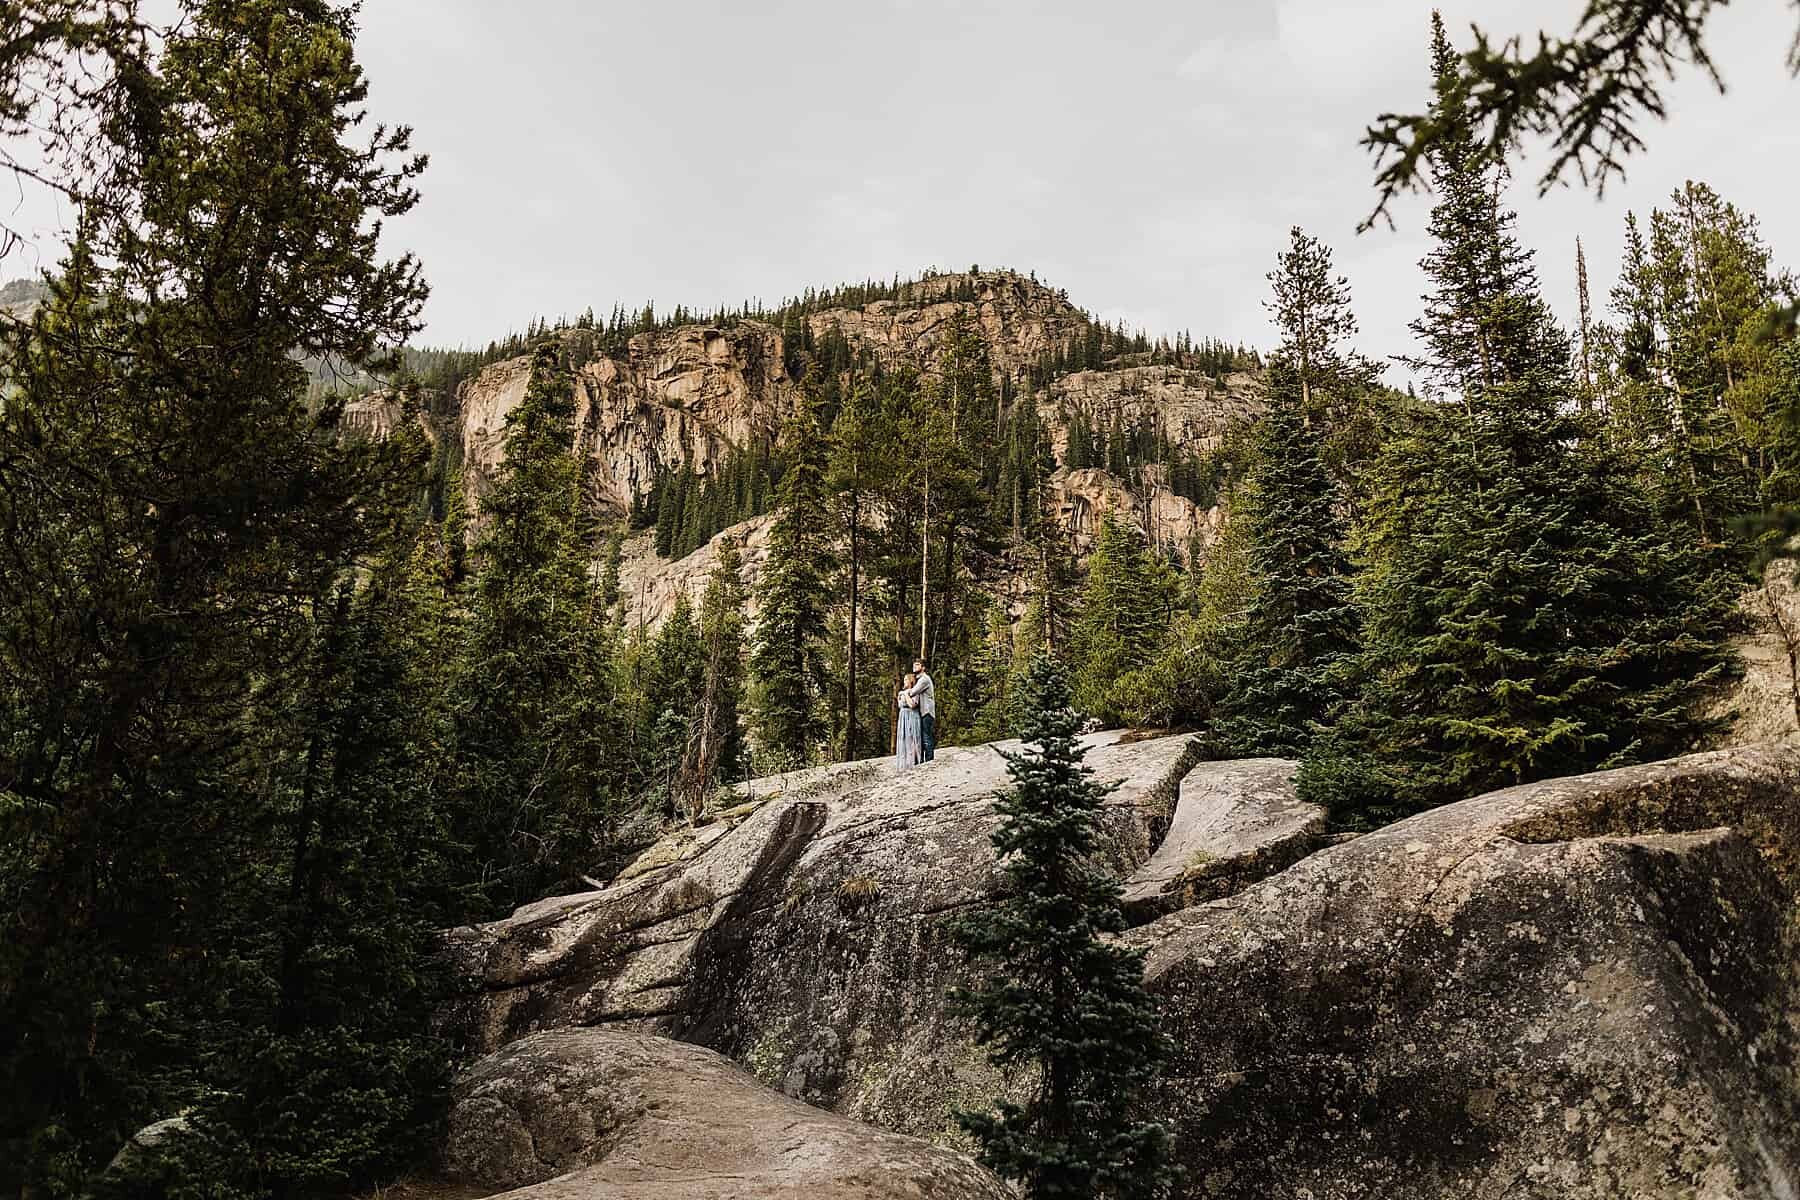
point(909, 745)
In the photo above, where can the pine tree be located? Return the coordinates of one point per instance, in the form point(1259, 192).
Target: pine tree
point(949, 451)
point(348, 1069)
point(1052, 578)
point(1528, 615)
point(1016, 496)
point(1123, 614)
point(171, 509)
point(1695, 298)
point(715, 747)
point(994, 668)
point(793, 594)
point(1585, 314)
point(1293, 666)
point(674, 679)
point(455, 531)
point(534, 726)
point(610, 567)
point(1058, 996)
point(1311, 307)
point(853, 469)
point(1651, 419)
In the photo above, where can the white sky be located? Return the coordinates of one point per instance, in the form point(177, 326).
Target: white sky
point(1147, 156)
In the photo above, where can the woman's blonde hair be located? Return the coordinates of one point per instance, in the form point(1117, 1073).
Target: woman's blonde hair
point(910, 679)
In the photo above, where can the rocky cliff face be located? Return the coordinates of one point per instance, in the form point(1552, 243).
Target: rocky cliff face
point(1581, 988)
point(19, 298)
point(1018, 317)
point(378, 415)
point(1191, 407)
point(677, 395)
point(690, 394)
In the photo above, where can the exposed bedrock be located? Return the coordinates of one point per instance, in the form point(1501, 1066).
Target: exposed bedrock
point(1235, 822)
point(590, 1114)
point(1580, 988)
point(802, 933)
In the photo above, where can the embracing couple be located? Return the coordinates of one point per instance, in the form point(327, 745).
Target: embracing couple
point(915, 740)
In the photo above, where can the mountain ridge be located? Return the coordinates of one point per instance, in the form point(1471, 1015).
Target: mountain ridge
point(683, 397)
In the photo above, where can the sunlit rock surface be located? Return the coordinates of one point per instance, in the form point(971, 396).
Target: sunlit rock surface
point(589, 1114)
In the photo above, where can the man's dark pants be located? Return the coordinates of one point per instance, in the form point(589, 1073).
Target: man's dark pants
point(928, 734)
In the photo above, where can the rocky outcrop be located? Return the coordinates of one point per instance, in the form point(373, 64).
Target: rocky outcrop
point(1582, 988)
point(677, 395)
point(1585, 988)
point(602, 1115)
point(1193, 409)
point(1169, 522)
point(801, 933)
point(143, 1146)
point(1764, 702)
point(1235, 823)
point(376, 415)
point(650, 584)
point(1018, 318)
point(19, 298)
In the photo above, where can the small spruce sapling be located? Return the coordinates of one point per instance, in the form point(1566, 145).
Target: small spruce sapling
point(1055, 997)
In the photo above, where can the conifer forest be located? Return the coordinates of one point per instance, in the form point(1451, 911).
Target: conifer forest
point(436, 771)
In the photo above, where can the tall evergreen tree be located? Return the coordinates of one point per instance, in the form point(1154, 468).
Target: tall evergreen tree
point(610, 567)
point(993, 666)
point(1585, 315)
point(535, 721)
point(1311, 307)
point(787, 662)
point(1528, 616)
point(1052, 573)
point(850, 480)
point(1690, 369)
point(171, 510)
point(455, 529)
point(674, 677)
point(348, 1076)
point(1123, 615)
point(950, 452)
point(1057, 995)
point(1292, 669)
point(715, 746)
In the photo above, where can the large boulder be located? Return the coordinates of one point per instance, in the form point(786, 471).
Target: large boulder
point(1584, 988)
point(1235, 822)
point(604, 1115)
point(803, 932)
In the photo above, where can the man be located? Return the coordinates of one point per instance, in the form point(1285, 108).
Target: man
point(926, 695)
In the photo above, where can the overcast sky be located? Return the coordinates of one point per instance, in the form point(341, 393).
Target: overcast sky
point(1148, 157)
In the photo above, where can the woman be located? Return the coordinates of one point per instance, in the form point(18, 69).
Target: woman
point(909, 742)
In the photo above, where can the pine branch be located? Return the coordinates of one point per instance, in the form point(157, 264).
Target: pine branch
point(1589, 94)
